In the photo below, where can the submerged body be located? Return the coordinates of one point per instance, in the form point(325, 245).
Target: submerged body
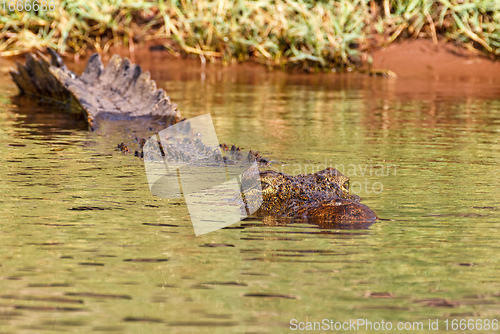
point(122, 90)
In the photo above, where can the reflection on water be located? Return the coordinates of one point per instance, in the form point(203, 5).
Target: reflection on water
point(85, 247)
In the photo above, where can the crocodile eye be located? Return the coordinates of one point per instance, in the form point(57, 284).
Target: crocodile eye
point(346, 185)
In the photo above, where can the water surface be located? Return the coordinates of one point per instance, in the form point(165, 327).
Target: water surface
point(84, 247)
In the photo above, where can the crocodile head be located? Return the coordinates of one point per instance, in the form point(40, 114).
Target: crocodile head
point(329, 180)
point(323, 195)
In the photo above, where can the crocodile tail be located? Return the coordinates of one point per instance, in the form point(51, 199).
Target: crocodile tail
point(121, 88)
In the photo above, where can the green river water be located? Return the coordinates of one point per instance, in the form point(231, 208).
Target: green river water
point(85, 247)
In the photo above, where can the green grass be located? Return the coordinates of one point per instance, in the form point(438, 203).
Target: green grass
point(307, 34)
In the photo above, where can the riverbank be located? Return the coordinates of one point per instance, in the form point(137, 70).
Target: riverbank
point(422, 59)
point(299, 34)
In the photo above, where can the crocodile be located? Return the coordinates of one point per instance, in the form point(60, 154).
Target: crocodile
point(121, 90)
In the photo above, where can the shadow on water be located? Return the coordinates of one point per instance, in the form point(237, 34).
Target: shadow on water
point(47, 116)
point(321, 224)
